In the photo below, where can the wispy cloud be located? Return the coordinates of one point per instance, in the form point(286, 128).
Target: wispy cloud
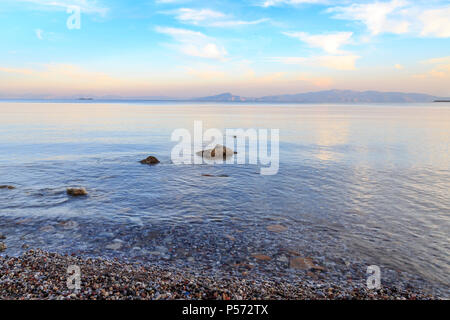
point(337, 62)
point(436, 22)
point(16, 71)
point(194, 43)
point(86, 6)
point(330, 42)
point(270, 3)
point(398, 17)
point(440, 69)
point(210, 18)
point(377, 16)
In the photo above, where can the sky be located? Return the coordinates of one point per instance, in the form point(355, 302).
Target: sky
point(188, 48)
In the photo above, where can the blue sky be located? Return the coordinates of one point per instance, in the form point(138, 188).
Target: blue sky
point(183, 48)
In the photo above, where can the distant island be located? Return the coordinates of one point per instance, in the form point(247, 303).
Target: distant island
point(330, 96)
point(326, 96)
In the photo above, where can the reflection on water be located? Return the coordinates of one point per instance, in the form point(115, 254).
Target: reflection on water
point(367, 183)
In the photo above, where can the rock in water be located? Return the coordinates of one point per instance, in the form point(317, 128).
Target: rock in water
point(7, 187)
point(261, 257)
point(304, 264)
point(3, 247)
point(219, 152)
point(276, 228)
point(76, 192)
point(150, 160)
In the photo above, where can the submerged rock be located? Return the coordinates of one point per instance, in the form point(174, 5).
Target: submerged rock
point(69, 224)
point(150, 160)
point(7, 187)
point(47, 229)
point(219, 152)
point(304, 264)
point(2, 237)
point(76, 192)
point(261, 257)
point(276, 228)
point(219, 176)
point(115, 245)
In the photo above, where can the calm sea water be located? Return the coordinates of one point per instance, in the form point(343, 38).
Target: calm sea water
point(356, 182)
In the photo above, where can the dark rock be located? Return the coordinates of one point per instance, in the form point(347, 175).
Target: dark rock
point(77, 192)
point(2, 237)
point(219, 176)
point(7, 187)
point(219, 152)
point(150, 160)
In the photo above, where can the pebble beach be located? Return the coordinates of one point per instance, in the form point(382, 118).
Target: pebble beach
point(40, 275)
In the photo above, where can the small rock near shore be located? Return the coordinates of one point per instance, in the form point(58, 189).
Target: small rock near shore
point(150, 160)
point(7, 187)
point(3, 247)
point(77, 192)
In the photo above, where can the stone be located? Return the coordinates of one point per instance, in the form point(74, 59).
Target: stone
point(47, 229)
point(150, 161)
point(276, 228)
point(3, 247)
point(304, 264)
point(114, 246)
point(219, 176)
point(261, 257)
point(77, 192)
point(219, 152)
point(69, 224)
point(2, 237)
point(229, 237)
point(7, 187)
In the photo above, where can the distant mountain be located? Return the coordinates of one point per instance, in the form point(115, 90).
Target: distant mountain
point(331, 96)
point(224, 97)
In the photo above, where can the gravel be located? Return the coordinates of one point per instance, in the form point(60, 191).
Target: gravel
point(37, 274)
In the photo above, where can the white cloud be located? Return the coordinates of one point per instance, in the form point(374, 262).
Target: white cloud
point(440, 69)
point(271, 3)
point(377, 16)
point(436, 22)
point(169, 1)
point(398, 17)
point(198, 15)
point(330, 43)
point(337, 62)
point(86, 6)
point(210, 18)
point(195, 43)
